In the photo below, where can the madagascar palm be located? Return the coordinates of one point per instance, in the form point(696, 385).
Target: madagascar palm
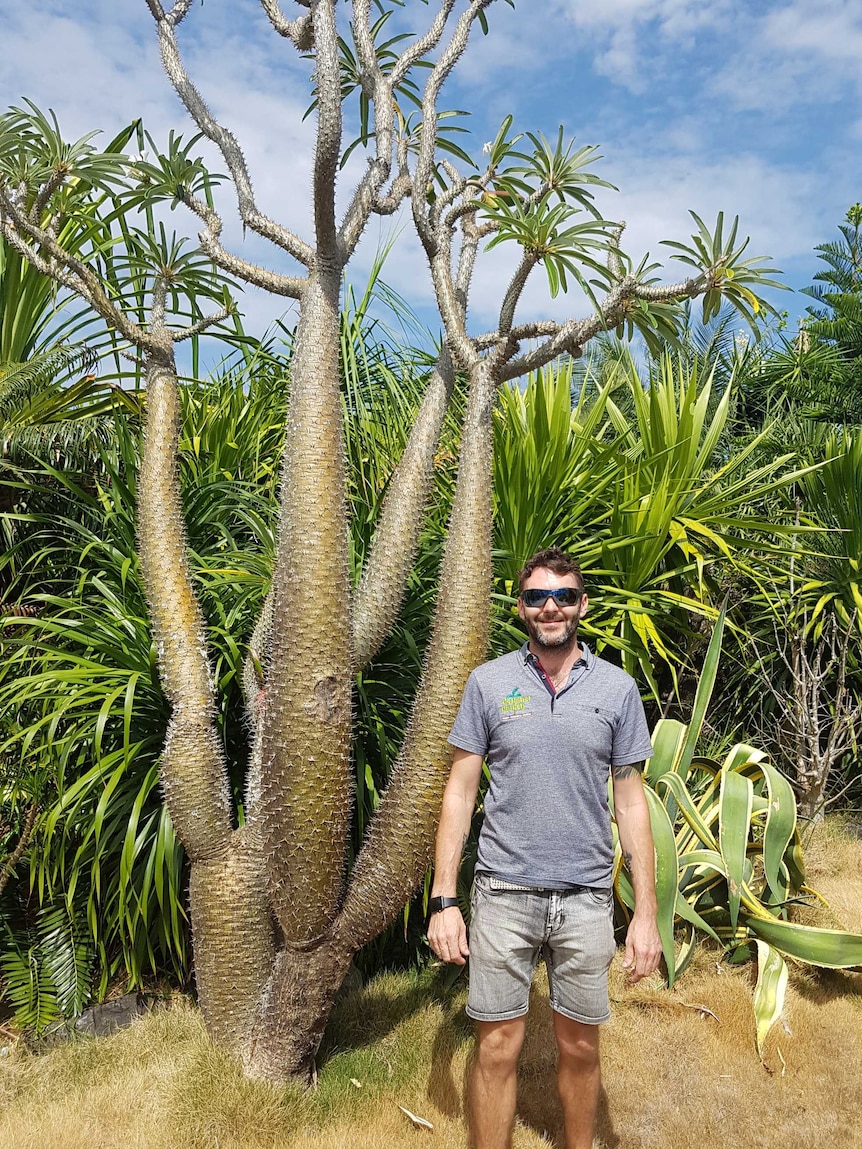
point(267, 992)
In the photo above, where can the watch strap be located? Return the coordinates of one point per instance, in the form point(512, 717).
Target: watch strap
point(435, 905)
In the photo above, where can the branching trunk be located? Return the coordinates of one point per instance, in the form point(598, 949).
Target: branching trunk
point(384, 579)
point(398, 849)
point(194, 773)
point(231, 925)
point(234, 940)
point(306, 782)
point(400, 841)
point(296, 1008)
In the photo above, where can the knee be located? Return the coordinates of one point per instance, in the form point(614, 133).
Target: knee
point(579, 1050)
point(499, 1049)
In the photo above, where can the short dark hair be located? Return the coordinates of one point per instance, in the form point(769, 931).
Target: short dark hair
point(554, 559)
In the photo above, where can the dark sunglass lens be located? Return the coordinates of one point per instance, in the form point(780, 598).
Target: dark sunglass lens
point(564, 595)
point(568, 596)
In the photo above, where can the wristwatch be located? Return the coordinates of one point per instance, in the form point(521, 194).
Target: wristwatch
point(435, 905)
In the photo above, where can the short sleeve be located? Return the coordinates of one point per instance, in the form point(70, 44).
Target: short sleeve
point(470, 731)
point(631, 733)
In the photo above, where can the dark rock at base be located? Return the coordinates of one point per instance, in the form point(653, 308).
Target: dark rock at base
point(100, 1020)
point(97, 1021)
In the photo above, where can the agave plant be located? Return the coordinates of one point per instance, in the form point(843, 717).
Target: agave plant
point(729, 858)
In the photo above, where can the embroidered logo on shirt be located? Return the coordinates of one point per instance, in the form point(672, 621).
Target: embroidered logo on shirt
point(515, 705)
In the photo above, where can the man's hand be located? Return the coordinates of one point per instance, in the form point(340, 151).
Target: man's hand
point(447, 936)
point(643, 947)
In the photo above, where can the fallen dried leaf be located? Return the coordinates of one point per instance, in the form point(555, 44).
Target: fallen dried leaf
point(419, 1122)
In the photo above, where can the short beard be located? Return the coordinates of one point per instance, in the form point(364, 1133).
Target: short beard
point(567, 641)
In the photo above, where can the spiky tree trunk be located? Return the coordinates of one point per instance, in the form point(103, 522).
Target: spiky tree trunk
point(231, 921)
point(309, 970)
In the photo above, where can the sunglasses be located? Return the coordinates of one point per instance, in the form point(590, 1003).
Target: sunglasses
point(562, 596)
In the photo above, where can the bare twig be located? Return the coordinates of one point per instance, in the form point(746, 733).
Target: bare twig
point(820, 715)
point(23, 842)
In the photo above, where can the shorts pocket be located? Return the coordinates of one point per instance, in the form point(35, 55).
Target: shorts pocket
point(600, 897)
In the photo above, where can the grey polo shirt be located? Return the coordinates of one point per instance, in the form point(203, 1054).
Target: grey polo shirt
point(547, 821)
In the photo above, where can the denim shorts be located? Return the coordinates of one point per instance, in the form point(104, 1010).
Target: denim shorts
point(571, 929)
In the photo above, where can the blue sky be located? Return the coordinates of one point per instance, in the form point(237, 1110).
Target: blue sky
point(756, 110)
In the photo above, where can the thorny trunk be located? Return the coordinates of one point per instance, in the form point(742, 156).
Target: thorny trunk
point(296, 1007)
point(231, 923)
point(400, 841)
point(306, 786)
point(307, 976)
point(234, 940)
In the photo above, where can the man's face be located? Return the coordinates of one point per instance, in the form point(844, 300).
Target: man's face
point(551, 624)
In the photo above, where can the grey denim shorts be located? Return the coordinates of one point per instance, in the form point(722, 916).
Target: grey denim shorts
point(509, 929)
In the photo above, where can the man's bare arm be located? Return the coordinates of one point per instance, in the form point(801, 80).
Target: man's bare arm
point(643, 945)
point(447, 934)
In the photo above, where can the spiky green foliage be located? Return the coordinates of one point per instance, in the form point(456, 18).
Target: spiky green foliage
point(632, 481)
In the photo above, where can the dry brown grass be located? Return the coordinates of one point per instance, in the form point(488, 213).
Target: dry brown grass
point(674, 1078)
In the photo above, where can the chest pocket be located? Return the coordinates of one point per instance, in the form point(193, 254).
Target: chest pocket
point(591, 726)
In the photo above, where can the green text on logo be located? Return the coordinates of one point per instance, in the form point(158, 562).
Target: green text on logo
point(515, 702)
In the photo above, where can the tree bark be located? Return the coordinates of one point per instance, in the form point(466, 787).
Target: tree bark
point(296, 1008)
point(234, 940)
point(306, 782)
point(231, 923)
point(400, 842)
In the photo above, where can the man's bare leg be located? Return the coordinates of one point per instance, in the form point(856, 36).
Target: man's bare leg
point(578, 1078)
point(493, 1082)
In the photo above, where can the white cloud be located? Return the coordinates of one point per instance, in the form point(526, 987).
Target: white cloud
point(618, 32)
point(791, 55)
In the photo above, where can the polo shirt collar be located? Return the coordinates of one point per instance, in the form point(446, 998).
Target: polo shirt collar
point(586, 658)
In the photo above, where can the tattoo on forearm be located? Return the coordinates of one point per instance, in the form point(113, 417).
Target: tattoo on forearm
point(627, 770)
point(627, 856)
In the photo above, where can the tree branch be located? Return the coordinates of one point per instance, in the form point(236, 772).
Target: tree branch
point(287, 285)
point(428, 141)
point(202, 324)
point(379, 88)
point(522, 331)
point(570, 337)
point(179, 12)
point(514, 291)
point(327, 151)
point(384, 579)
point(226, 143)
point(423, 45)
point(193, 768)
point(300, 31)
point(71, 272)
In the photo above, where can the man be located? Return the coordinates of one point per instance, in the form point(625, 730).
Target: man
point(553, 720)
